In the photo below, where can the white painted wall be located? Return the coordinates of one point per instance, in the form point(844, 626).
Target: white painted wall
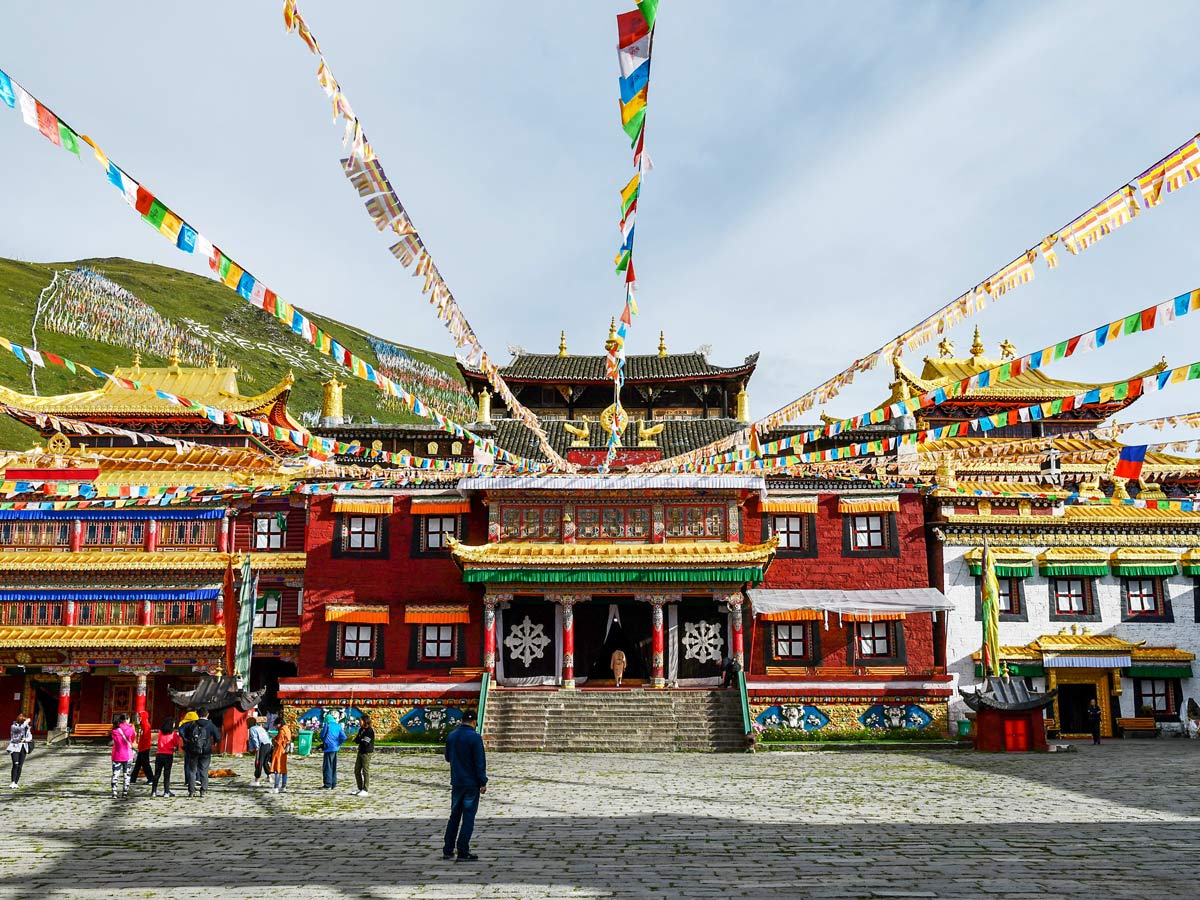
point(964, 634)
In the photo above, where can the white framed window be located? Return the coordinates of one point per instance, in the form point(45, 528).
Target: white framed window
point(437, 642)
point(268, 532)
point(1008, 602)
point(1070, 596)
point(791, 531)
point(868, 532)
point(358, 641)
point(791, 641)
point(438, 531)
point(874, 639)
point(362, 533)
point(1143, 596)
point(1156, 694)
point(266, 609)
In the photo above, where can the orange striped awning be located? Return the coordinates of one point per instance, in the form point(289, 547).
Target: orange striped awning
point(439, 614)
point(868, 504)
point(806, 505)
point(358, 615)
point(873, 617)
point(439, 506)
point(794, 615)
point(363, 506)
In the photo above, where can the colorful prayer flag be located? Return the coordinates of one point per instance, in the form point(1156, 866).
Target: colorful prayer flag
point(6, 91)
point(631, 28)
point(48, 125)
point(1129, 463)
point(68, 138)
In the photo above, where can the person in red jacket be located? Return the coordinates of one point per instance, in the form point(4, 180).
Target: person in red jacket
point(145, 742)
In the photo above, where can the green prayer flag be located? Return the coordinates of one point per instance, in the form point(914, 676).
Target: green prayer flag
point(1056, 407)
point(625, 204)
point(70, 365)
point(223, 266)
point(1060, 350)
point(634, 126)
point(1193, 371)
point(1005, 372)
point(623, 261)
point(157, 213)
point(649, 10)
point(70, 140)
point(1121, 391)
point(1132, 324)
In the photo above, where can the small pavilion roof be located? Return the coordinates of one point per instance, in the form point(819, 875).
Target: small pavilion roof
point(577, 368)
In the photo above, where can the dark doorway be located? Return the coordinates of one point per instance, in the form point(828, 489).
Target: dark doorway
point(1073, 701)
point(607, 624)
point(265, 673)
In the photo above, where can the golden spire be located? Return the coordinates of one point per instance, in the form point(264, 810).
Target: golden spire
point(174, 361)
point(743, 404)
point(137, 361)
point(977, 347)
point(662, 343)
point(562, 343)
point(946, 348)
point(484, 414)
point(1008, 350)
point(331, 402)
point(611, 344)
point(212, 357)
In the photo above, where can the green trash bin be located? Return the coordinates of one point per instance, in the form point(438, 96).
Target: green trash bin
point(304, 742)
point(964, 728)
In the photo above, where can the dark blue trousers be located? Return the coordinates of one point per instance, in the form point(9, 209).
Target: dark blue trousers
point(464, 803)
point(329, 770)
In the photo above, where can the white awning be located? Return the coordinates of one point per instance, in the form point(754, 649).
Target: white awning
point(885, 603)
point(613, 483)
point(1075, 661)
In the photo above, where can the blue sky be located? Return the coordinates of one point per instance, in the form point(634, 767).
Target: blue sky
point(824, 178)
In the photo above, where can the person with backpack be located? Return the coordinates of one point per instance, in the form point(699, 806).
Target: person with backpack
point(198, 736)
point(20, 742)
point(331, 736)
point(145, 741)
point(164, 758)
point(124, 740)
point(365, 738)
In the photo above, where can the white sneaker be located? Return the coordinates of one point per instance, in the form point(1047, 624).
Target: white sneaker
point(13, 785)
point(274, 790)
point(363, 794)
point(254, 783)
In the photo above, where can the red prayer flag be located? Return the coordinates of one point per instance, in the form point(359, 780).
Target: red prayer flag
point(229, 614)
point(269, 300)
point(48, 125)
point(631, 28)
point(144, 199)
point(1148, 318)
point(630, 278)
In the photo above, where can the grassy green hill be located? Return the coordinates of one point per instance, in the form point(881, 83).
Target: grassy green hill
point(212, 318)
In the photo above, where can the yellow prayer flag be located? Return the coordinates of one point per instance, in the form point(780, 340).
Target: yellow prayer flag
point(631, 188)
point(634, 106)
point(233, 276)
point(170, 226)
point(1178, 375)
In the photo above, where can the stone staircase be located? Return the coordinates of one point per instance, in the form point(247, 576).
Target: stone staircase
point(632, 721)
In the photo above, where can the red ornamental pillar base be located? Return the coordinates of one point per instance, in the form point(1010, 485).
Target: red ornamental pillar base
point(223, 536)
point(657, 674)
point(568, 644)
point(735, 607)
point(64, 701)
point(139, 702)
point(489, 637)
point(76, 535)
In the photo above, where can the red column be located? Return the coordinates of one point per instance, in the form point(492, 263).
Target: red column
point(568, 642)
point(657, 674)
point(223, 536)
point(489, 636)
point(76, 535)
point(219, 611)
point(151, 543)
point(144, 618)
point(69, 613)
point(139, 703)
point(735, 607)
point(64, 700)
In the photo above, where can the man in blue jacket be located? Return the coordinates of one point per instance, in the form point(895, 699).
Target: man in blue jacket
point(468, 780)
point(332, 737)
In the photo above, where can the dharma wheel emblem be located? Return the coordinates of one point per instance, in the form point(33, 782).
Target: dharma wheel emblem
point(615, 420)
point(58, 443)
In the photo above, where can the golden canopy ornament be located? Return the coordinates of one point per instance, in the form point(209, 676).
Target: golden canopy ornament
point(615, 420)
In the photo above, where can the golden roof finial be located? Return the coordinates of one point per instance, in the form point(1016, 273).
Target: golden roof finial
point(562, 343)
point(662, 343)
point(212, 357)
point(174, 360)
point(611, 344)
point(946, 348)
point(137, 360)
point(1008, 350)
point(331, 401)
point(977, 347)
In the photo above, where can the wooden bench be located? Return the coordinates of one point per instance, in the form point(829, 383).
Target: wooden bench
point(91, 731)
point(1140, 726)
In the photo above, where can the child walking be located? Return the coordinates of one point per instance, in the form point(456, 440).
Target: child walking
point(279, 757)
point(124, 742)
point(164, 757)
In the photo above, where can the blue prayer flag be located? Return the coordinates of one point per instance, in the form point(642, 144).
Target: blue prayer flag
point(637, 80)
point(6, 91)
point(187, 238)
point(246, 285)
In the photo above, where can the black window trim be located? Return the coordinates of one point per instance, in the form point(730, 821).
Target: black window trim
point(891, 546)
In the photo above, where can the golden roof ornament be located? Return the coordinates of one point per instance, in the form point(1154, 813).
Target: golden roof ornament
point(615, 420)
point(562, 344)
point(1008, 350)
point(662, 344)
point(579, 435)
point(946, 348)
point(174, 360)
point(137, 362)
point(646, 435)
point(212, 358)
point(977, 347)
point(743, 404)
point(331, 402)
point(611, 344)
point(58, 444)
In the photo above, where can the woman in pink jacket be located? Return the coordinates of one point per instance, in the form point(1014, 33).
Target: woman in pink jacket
point(124, 749)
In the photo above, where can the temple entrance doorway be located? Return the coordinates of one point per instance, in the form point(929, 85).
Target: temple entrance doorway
point(1073, 702)
point(604, 625)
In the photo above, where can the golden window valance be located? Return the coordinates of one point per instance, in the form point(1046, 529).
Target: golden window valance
point(868, 504)
point(358, 615)
point(363, 506)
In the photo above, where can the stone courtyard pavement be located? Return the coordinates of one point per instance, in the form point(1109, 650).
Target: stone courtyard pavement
point(1120, 820)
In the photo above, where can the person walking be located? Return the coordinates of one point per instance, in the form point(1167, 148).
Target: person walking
point(124, 741)
point(331, 736)
point(145, 740)
point(729, 669)
point(468, 781)
point(366, 747)
point(279, 757)
point(20, 742)
point(198, 735)
point(1094, 716)
point(617, 663)
point(260, 746)
point(164, 757)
